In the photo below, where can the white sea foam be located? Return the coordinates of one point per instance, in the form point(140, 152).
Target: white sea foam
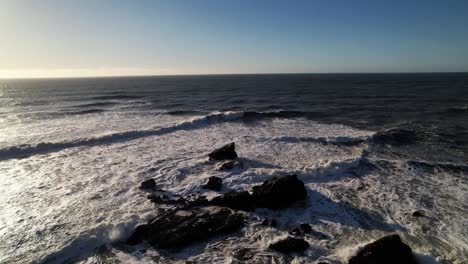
point(63, 205)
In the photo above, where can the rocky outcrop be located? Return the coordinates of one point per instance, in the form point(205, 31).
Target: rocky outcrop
point(214, 184)
point(228, 152)
point(148, 184)
point(181, 227)
point(235, 200)
point(290, 245)
point(274, 193)
point(387, 250)
point(277, 193)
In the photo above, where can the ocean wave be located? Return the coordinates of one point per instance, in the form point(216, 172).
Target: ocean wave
point(116, 97)
point(396, 137)
point(198, 122)
point(84, 112)
point(184, 112)
point(97, 104)
point(342, 141)
point(430, 167)
point(458, 109)
point(24, 151)
point(252, 115)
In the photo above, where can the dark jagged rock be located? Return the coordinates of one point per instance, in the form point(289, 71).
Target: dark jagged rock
point(181, 227)
point(164, 199)
point(290, 245)
point(301, 229)
point(387, 250)
point(276, 193)
point(417, 214)
point(180, 201)
point(235, 200)
point(228, 165)
point(228, 152)
point(214, 184)
point(148, 184)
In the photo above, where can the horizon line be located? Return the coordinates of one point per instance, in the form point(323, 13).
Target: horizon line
point(224, 74)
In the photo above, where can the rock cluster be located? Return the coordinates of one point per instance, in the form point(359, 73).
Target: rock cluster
point(181, 227)
point(195, 218)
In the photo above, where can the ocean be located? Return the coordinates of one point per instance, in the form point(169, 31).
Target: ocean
point(370, 148)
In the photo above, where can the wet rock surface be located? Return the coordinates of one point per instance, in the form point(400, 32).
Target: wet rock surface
point(181, 227)
point(290, 245)
point(235, 200)
point(277, 193)
point(227, 152)
point(214, 184)
point(148, 184)
point(387, 250)
point(418, 214)
point(228, 165)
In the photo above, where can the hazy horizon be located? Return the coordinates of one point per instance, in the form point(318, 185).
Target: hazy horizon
point(55, 39)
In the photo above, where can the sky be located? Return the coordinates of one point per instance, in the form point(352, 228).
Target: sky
point(59, 38)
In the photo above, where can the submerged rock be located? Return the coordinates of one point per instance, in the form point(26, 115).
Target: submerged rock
point(290, 245)
point(276, 193)
point(235, 200)
point(418, 213)
point(387, 250)
point(228, 165)
point(181, 227)
point(148, 184)
point(214, 184)
point(301, 229)
point(227, 152)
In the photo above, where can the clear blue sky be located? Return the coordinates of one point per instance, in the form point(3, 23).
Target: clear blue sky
point(104, 37)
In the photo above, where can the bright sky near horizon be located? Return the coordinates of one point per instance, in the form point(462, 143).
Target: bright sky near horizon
point(56, 38)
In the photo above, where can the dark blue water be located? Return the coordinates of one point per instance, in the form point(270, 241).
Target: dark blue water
point(429, 108)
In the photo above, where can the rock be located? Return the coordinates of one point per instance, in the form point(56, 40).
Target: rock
point(181, 227)
point(214, 184)
point(417, 213)
point(301, 229)
point(276, 193)
point(148, 184)
point(235, 200)
point(290, 245)
point(228, 152)
point(387, 250)
point(228, 165)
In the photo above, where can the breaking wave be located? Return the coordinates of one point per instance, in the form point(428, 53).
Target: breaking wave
point(24, 151)
point(343, 141)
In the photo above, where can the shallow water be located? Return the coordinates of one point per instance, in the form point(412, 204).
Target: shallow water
point(371, 149)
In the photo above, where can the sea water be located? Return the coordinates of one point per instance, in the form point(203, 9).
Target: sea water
point(370, 148)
